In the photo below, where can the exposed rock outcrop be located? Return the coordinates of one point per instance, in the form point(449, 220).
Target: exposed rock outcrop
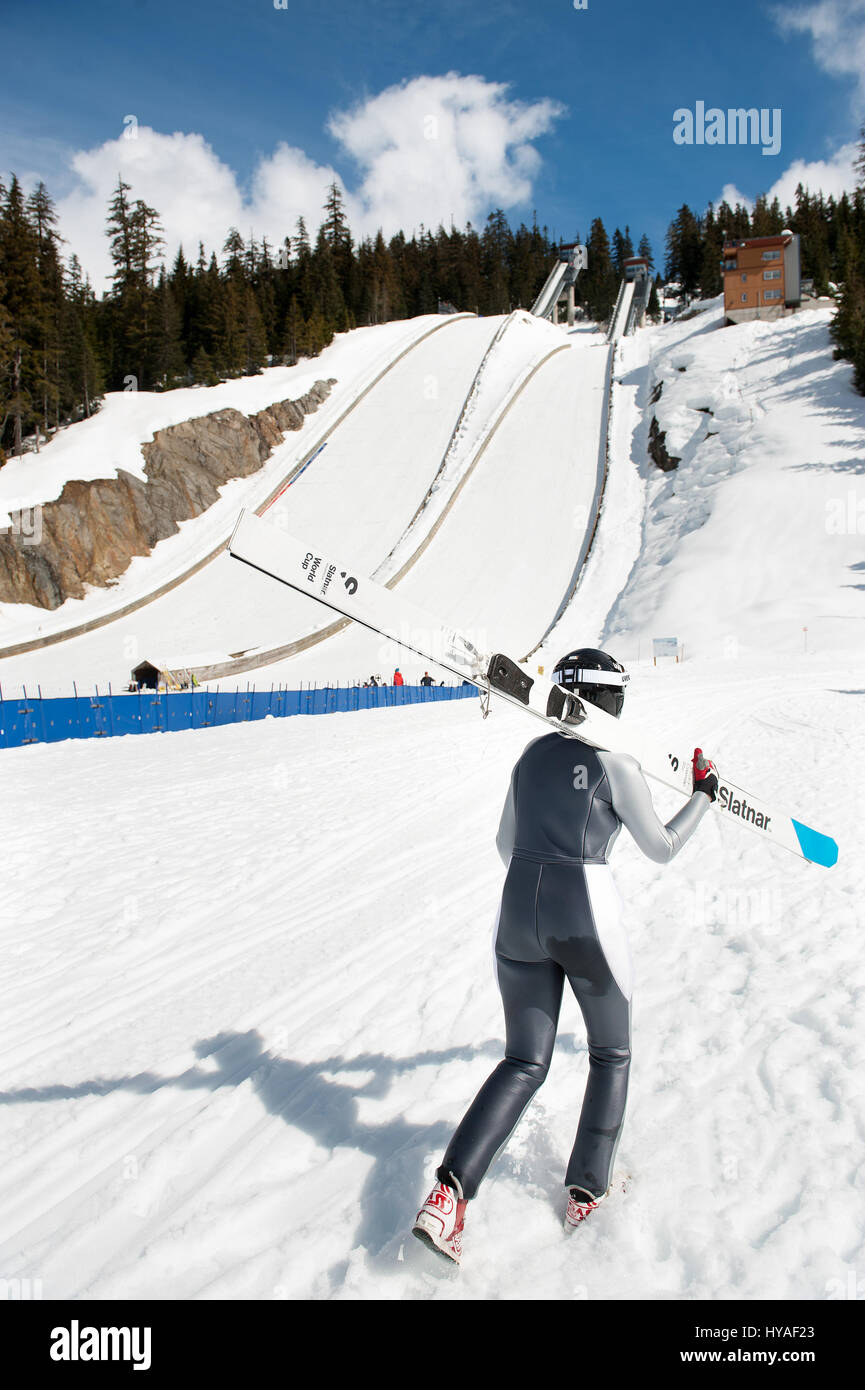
point(658, 449)
point(92, 531)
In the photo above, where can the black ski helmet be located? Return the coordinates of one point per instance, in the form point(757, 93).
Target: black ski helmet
point(576, 672)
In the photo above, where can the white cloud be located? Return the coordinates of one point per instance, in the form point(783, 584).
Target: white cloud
point(733, 196)
point(426, 150)
point(285, 186)
point(179, 175)
point(442, 147)
point(837, 30)
point(831, 177)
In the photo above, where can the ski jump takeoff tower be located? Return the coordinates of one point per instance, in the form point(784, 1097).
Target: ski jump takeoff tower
point(560, 283)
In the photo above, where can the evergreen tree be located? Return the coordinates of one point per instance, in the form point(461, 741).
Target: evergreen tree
point(169, 363)
point(182, 289)
point(381, 294)
point(811, 222)
point(600, 284)
point(254, 335)
point(496, 246)
point(302, 247)
point(83, 377)
point(265, 288)
point(685, 250)
point(47, 365)
point(203, 370)
point(292, 333)
point(766, 219)
point(135, 238)
point(623, 250)
point(326, 291)
point(19, 269)
point(711, 282)
point(848, 325)
point(7, 339)
point(334, 235)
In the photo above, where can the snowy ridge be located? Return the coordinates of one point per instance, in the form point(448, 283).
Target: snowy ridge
point(769, 432)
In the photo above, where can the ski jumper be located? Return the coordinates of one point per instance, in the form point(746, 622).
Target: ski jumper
point(561, 916)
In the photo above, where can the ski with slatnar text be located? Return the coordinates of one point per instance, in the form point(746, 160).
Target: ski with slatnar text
point(330, 581)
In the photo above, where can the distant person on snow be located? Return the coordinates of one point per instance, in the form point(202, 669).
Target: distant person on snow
point(426, 679)
point(560, 917)
point(397, 677)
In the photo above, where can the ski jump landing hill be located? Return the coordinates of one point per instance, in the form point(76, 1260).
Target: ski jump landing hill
point(465, 462)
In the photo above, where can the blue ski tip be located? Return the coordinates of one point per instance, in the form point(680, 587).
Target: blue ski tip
point(820, 849)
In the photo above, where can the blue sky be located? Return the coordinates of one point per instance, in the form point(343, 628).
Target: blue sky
point(566, 111)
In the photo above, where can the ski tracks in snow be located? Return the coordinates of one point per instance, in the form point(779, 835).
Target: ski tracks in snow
point(253, 999)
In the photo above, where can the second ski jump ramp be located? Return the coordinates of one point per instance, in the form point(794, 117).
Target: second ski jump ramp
point(549, 295)
point(531, 498)
point(500, 562)
point(621, 312)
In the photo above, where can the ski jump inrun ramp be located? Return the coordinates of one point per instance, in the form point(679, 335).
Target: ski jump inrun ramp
point(468, 468)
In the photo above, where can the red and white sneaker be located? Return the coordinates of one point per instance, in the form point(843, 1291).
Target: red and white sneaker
point(580, 1205)
point(439, 1223)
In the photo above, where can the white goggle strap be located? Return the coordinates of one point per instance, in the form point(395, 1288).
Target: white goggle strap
point(595, 678)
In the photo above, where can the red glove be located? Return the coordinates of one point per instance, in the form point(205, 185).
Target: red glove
point(705, 775)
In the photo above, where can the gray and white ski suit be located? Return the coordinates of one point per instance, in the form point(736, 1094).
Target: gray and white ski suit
point(561, 916)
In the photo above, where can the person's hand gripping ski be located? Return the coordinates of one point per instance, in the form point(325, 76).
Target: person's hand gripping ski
point(705, 775)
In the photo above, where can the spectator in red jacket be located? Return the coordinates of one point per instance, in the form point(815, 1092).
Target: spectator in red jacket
point(397, 677)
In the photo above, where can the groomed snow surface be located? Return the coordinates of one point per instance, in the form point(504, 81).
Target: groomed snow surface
point(249, 992)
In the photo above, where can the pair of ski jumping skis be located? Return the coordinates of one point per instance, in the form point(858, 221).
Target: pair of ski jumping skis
point(571, 791)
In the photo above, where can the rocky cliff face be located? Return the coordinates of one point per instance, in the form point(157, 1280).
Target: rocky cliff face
point(93, 530)
point(658, 448)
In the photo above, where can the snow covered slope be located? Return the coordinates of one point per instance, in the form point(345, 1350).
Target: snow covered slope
point(770, 437)
point(248, 989)
point(366, 359)
point(112, 438)
point(539, 469)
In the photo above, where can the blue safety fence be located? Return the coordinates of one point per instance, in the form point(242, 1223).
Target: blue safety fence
point(34, 720)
